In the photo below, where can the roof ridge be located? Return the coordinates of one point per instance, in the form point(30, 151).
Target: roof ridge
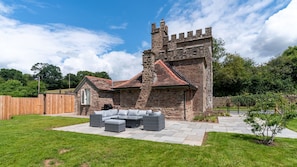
point(127, 81)
point(89, 76)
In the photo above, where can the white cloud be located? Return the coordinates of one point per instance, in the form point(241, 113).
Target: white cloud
point(70, 48)
point(5, 9)
point(145, 44)
point(118, 64)
point(278, 32)
point(122, 26)
point(242, 25)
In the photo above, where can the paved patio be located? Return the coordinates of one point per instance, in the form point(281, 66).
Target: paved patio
point(180, 132)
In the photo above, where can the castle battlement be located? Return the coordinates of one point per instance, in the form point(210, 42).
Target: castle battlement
point(190, 36)
point(180, 46)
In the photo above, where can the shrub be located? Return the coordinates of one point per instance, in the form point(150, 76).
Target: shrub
point(210, 116)
point(269, 116)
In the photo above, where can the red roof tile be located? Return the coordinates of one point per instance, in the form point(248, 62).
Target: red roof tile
point(164, 76)
point(100, 83)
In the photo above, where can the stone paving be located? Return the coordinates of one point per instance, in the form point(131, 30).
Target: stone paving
point(179, 132)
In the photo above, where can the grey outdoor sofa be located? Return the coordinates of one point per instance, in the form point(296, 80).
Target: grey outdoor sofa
point(154, 122)
point(99, 117)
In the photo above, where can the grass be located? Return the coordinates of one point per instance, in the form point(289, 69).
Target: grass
point(29, 141)
point(292, 124)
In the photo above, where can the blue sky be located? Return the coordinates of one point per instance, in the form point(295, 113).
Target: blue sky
point(110, 35)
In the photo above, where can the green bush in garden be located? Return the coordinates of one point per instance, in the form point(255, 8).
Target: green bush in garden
point(269, 116)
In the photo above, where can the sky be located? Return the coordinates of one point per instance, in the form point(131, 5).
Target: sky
point(111, 35)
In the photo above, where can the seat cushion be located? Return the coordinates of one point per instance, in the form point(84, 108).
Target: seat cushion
point(115, 122)
point(98, 112)
point(106, 118)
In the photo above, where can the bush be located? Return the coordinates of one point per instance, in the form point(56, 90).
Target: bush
point(269, 116)
point(210, 116)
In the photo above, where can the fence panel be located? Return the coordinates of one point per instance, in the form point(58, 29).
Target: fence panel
point(43, 104)
point(59, 103)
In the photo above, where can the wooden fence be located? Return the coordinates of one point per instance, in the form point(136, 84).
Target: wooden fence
point(43, 104)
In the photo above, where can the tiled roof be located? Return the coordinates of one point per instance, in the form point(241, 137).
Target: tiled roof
point(116, 83)
point(164, 77)
point(100, 83)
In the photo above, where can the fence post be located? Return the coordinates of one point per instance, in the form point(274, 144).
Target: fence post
point(44, 104)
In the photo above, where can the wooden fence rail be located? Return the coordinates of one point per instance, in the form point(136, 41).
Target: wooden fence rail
point(43, 104)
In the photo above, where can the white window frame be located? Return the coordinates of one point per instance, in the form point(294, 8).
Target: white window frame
point(85, 97)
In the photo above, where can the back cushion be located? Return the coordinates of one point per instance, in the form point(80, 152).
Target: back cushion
point(157, 113)
point(148, 112)
point(105, 113)
point(133, 112)
point(113, 111)
point(142, 112)
point(123, 112)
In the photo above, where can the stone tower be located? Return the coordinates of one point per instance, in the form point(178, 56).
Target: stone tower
point(190, 56)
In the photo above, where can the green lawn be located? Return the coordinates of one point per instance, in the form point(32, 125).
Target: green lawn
point(29, 141)
point(293, 125)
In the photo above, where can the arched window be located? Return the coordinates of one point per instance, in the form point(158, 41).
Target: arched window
point(85, 97)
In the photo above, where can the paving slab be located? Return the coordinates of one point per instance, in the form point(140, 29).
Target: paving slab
point(178, 132)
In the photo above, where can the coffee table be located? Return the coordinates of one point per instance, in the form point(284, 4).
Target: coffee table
point(131, 121)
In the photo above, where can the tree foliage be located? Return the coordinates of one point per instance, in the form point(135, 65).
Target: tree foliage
point(46, 77)
point(234, 75)
point(269, 116)
point(51, 75)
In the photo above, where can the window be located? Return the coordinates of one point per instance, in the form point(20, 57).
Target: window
point(85, 97)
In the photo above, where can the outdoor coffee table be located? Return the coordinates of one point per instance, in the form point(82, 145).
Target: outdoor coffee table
point(131, 121)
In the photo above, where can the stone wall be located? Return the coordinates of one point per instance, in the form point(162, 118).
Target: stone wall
point(129, 98)
point(220, 101)
point(169, 101)
point(97, 101)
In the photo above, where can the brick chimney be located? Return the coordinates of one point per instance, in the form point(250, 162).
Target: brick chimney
point(148, 60)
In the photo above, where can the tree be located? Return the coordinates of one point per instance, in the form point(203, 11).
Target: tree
point(82, 74)
point(32, 88)
point(13, 88)
point(51, 75)
point(233, 76)
point(8, 74)
point(219, 51)
point(269, 116)
point(102, 74)
point(72, 78)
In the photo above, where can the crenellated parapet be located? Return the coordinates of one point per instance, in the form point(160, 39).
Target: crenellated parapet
point(190, 36)
point(185, 47)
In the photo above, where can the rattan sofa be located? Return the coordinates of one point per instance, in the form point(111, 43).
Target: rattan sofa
point(98, 118)
point(154, 122)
